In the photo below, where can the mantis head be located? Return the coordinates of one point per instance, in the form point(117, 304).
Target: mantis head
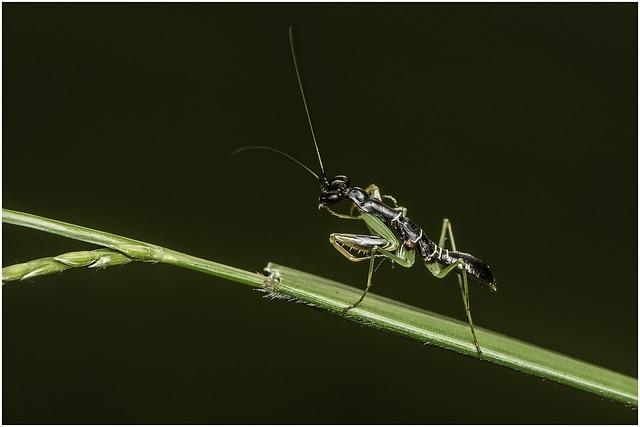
point(334, 190)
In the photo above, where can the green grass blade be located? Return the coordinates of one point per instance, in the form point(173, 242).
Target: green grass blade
point(434, 329)
point(375, 311)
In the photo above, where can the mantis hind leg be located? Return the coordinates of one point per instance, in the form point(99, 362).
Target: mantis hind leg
point(462, 281)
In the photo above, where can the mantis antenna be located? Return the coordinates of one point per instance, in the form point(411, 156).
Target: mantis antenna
point(304, 100)
point(282, 153)
point(323, 180)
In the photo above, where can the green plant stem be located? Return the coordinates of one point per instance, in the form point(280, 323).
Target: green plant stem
point(375, 311)
point(134, 249)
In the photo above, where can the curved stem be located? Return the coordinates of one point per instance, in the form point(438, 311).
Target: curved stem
point(375, 311)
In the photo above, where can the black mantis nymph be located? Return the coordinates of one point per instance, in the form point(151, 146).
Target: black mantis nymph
point(393, 235)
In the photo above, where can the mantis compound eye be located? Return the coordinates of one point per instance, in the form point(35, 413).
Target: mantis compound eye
point(330, 197)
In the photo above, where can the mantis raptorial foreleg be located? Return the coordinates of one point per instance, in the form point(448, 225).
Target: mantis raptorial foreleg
point(383, 243)
point(368, 245)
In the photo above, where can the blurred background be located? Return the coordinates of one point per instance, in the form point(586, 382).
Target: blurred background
point(517, 122)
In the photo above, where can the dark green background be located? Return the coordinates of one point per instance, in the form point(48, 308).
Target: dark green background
point(518, 122)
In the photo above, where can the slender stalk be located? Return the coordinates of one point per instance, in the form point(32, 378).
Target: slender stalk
point(375, 311)
point(134, 249)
